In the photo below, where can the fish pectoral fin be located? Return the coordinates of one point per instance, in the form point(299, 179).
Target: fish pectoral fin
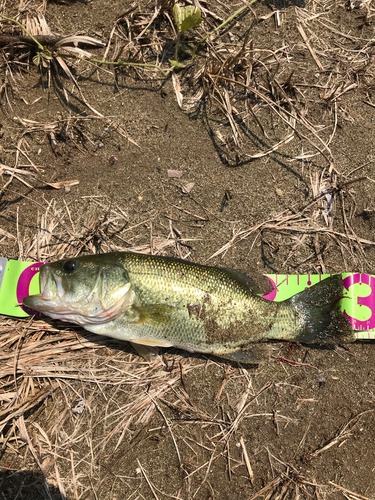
point(154, 314)
point(150, 342)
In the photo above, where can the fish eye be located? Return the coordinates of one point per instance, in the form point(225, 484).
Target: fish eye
point(69, 266)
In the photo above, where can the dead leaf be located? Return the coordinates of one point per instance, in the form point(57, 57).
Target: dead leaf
point(62, 184)
point(6, 234)
point(186, 189)
point(177, 89)
point(112, 160)
point(176, 174)
point(78, 406)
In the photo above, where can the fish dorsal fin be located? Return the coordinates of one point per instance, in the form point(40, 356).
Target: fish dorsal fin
point(257, 283)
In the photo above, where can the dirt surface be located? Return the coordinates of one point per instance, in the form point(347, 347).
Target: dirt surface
point(272, 129)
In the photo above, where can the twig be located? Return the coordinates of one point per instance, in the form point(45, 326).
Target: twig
point(319, 253)
point(147, 480)
point(168, 425)
point(25, 30)
point(50, 40)
point(311, 50)
point(345, 490)
point(236, 421)
point(343, 434)
point(247, 461)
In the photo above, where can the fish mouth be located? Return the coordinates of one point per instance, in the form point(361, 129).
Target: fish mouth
point(73, 313)
point(56, 309)
point(34, 302)
point(50, 298)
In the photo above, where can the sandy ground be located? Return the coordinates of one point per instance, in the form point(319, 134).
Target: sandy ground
point(253, 159)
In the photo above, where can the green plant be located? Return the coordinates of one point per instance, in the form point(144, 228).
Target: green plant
point(185, 19)
point(44, 56)
point(239, 11)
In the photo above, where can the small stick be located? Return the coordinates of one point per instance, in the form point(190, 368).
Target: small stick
point(182, 370)
point(228, 458)
point(207, 472)
point(25, 435)
point(319, 253)
point(311, 50)
point(357, 495)
point(147, 479)
point(42, 39)
point(168, 425)
point(247, 461)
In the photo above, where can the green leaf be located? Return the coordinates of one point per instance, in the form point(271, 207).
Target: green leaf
point(192, 18)
point(186, 17)
point(42, 57)
point(176, 64)
point(177, 14)
point(36, 59)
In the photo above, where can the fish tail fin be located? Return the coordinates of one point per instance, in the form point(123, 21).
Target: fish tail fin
point(319, 309)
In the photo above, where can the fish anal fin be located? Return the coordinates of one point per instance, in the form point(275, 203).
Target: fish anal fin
point(253, 355)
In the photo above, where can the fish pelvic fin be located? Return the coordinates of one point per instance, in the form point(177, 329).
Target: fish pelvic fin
point(150, 343)
point(323, 321)
point(147, 352)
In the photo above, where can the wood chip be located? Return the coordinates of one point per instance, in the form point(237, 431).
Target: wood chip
point(62, 184)
point(186, 189)
point(175, 174)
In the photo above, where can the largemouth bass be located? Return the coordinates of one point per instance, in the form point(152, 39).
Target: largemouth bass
point(163, 301)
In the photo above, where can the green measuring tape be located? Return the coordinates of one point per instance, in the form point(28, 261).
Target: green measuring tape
point(17, 280)
point(20, 279)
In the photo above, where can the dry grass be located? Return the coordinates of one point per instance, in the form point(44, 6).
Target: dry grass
point(79, 407)
point(252, 99)
point(52, 379)
point(245, 92)
point(75, 404)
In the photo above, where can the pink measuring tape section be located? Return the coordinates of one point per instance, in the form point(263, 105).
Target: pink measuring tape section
point(23, 286)
point(357, 302)
point(367, 301)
